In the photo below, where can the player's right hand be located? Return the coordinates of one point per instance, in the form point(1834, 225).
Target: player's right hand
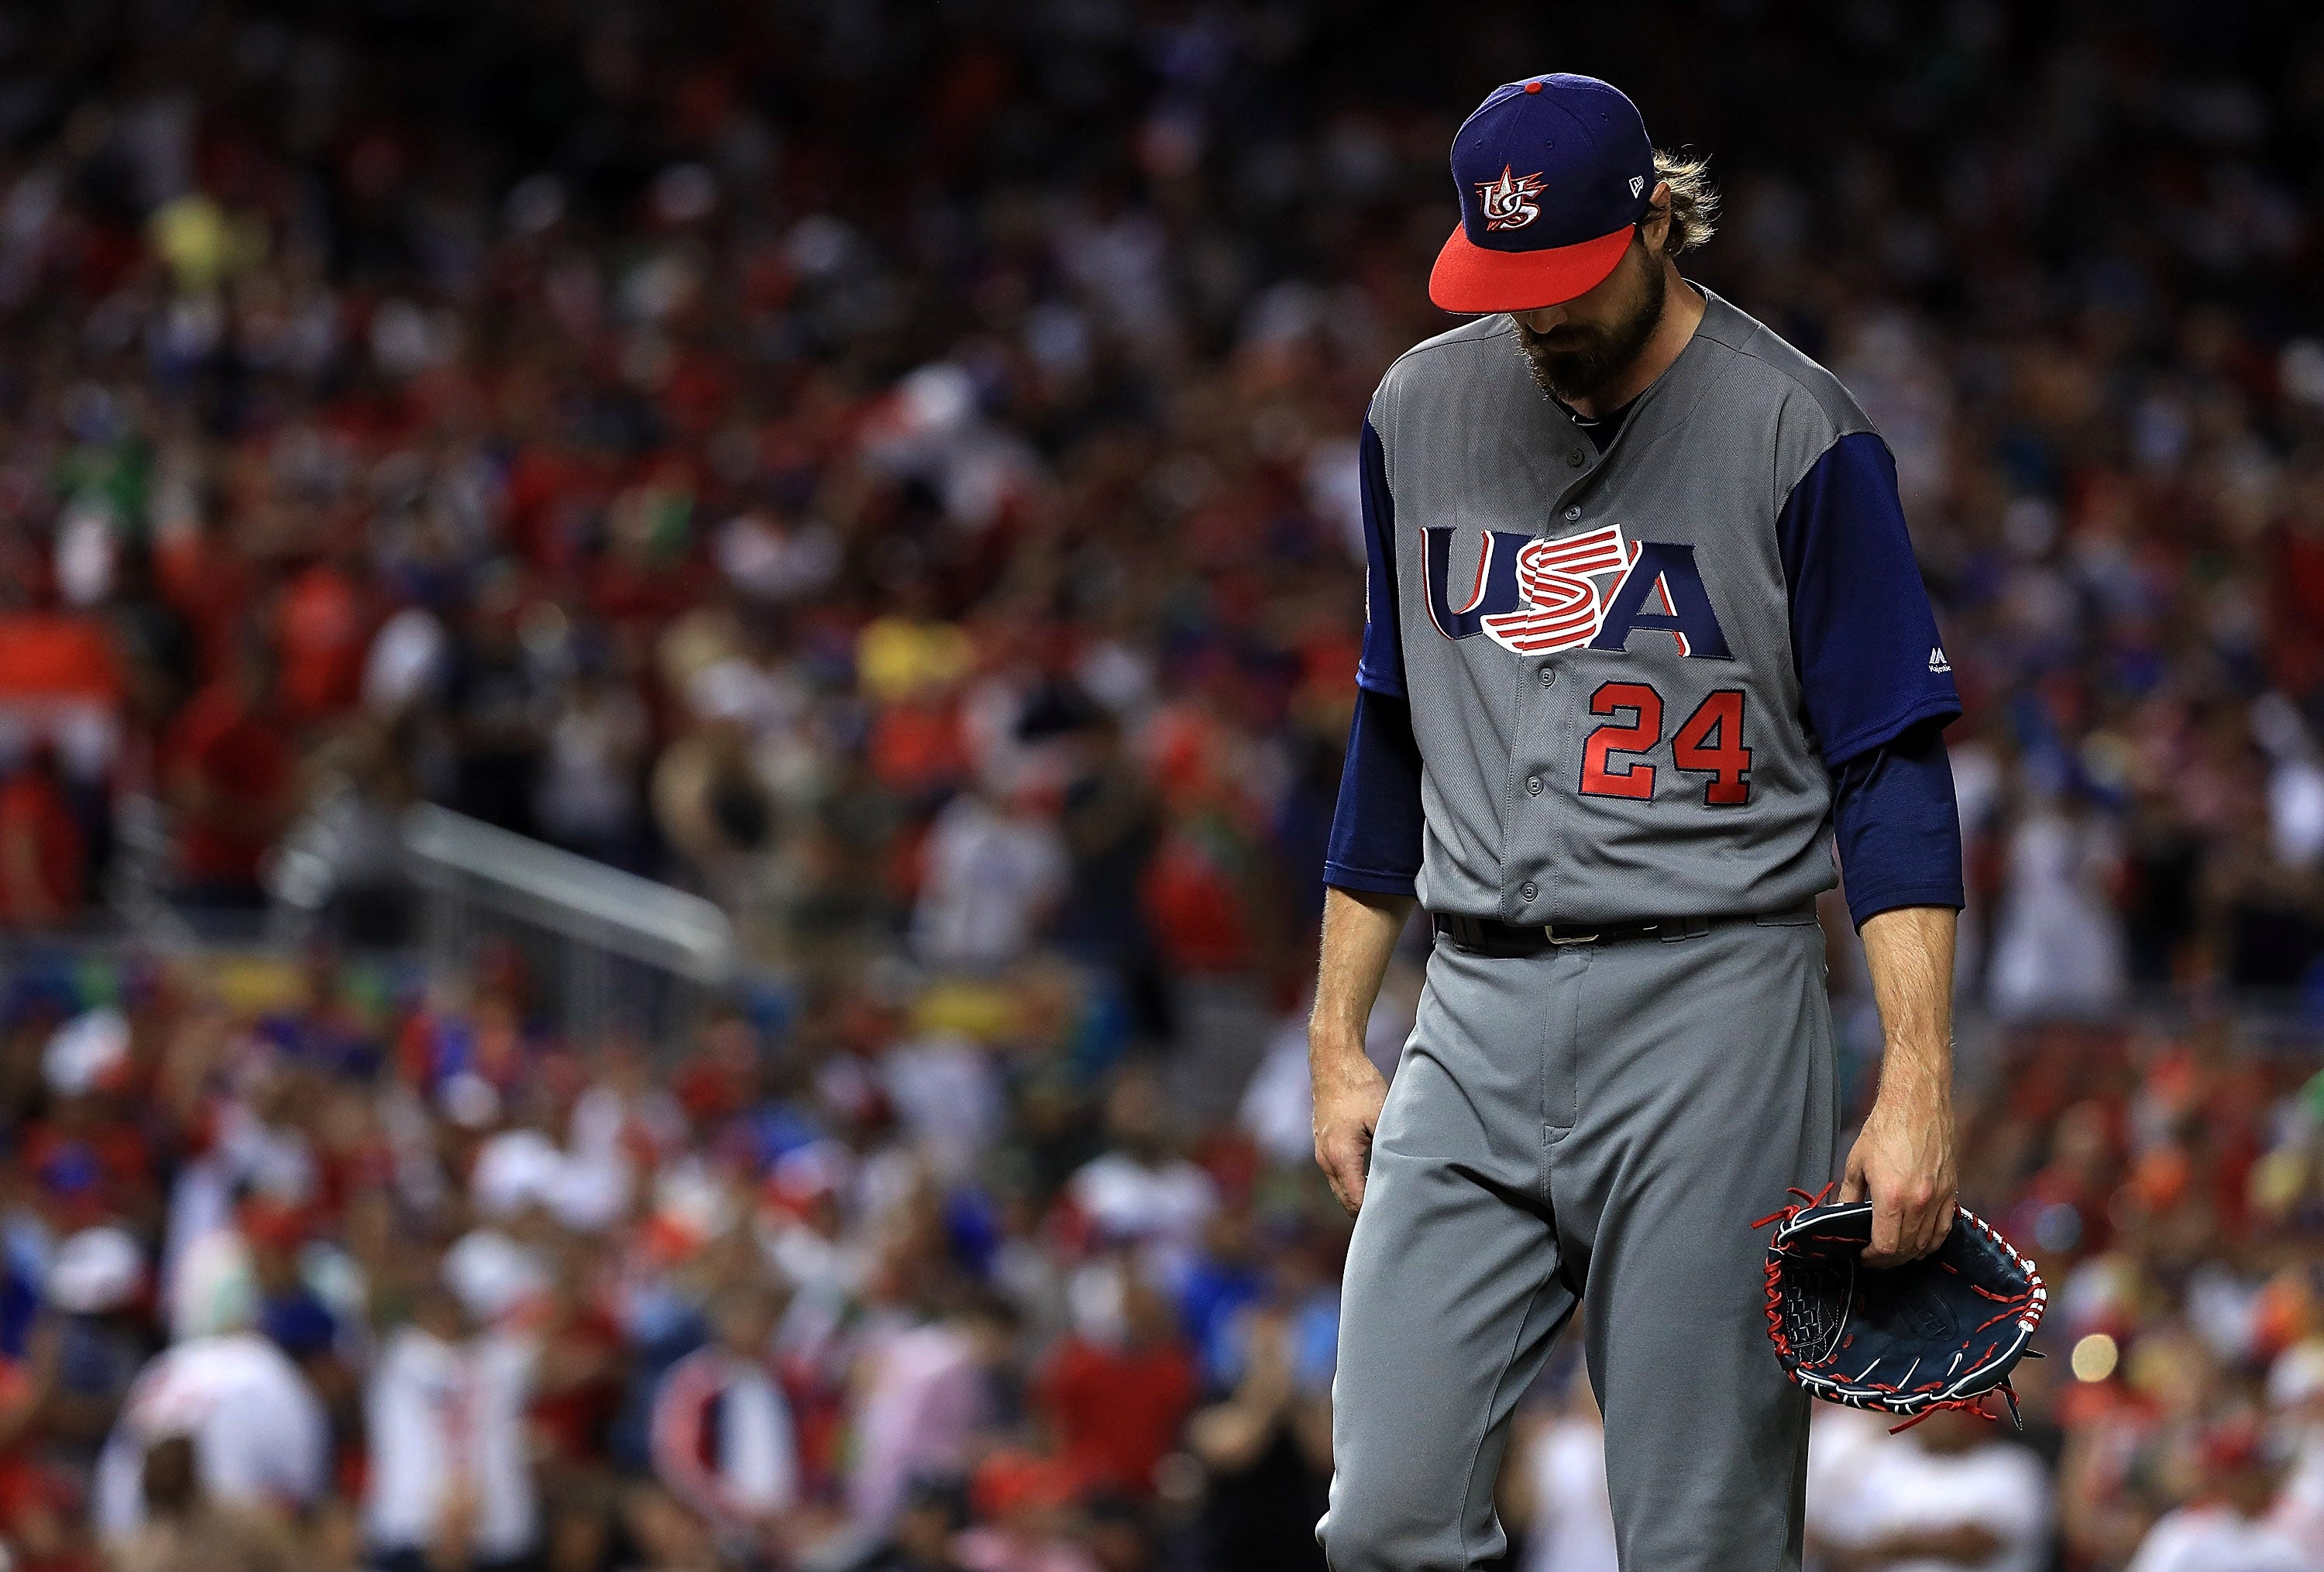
point(1348, 1093)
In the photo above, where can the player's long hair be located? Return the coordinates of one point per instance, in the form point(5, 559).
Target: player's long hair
point(1695, 200)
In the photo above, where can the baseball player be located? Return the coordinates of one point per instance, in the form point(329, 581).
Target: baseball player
point(1645, 638)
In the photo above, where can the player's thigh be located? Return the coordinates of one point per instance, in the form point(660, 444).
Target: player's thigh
point(1449, 1252)
point(1708, 1088)
point(1453, 1288)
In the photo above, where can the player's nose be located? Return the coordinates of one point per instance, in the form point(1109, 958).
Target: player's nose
point(1545, 319)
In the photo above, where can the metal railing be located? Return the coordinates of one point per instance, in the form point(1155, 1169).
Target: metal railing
point(609, 949)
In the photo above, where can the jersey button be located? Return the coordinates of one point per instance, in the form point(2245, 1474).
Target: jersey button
point(1533, 784)
point(1572, 513)
point(1549, 676)
point(1526, 890)
point(1573, 460)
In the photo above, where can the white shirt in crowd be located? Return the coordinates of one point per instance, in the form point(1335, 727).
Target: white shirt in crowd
point(440, 1413)
point(991, 875)
point(948, 1094)
point(2300, 1507)
point(1163, 1207)
point(1865, 1487)
point(2059, 948)
point(260, 1434)
point(585, 1186)
point(1573, 1526)
point(2217, 1539)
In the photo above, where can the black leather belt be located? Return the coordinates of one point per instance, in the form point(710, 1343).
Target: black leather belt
point(1489, 936)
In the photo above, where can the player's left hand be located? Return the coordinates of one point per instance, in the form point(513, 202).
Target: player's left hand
point(1902, 1160)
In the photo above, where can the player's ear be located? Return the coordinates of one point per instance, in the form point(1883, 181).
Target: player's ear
point(1657, 225)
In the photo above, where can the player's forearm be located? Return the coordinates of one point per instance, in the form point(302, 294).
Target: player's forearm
point(1909, 952)
point(1360, 934)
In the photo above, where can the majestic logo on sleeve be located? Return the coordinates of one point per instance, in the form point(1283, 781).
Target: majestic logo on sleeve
point(1534, 596)
point(1508, 201)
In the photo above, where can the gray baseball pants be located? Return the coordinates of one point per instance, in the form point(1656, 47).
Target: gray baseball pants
point(1599, 1120)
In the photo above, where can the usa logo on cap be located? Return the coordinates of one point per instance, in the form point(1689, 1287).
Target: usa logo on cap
point(1505, 201)
point(1552, 174)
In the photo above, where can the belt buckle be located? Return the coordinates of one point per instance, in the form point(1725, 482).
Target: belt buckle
point(1549, 931)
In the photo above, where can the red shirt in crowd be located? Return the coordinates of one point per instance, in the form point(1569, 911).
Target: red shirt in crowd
point(41, 860)
point(1118, 1411)
point(208, 581)
point(322, 629)
point(234, 764)
point(56, 656)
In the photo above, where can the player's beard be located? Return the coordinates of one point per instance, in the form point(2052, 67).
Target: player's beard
point(1573, 361)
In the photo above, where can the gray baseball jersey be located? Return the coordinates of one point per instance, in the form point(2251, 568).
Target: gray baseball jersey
point(1629, 673)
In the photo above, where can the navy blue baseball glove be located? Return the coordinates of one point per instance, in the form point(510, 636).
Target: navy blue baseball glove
point(1937, 1333)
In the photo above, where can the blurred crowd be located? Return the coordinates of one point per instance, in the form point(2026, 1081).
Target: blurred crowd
point(369, 1268)
point(890, 467)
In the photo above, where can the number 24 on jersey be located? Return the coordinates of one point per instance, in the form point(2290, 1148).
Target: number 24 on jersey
point(1710, 742)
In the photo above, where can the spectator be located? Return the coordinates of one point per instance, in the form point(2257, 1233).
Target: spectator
point(290, 1313)
point(1267, 1449)
point(43, 857)
point(1555, 1487)
point(1117, 1407)
point(259, 1436)
point(64, 697)
point(322, 629)
point(2058, 948)
point(2229, 1530)
point(995, 869)
point(228, 761)
point(1139, 1192)
point(184, 1531)
point(1947, 1493)
point(592, 761)
point(1026, 1506)
point(1108, 820)
point(723, 1439)
point(89, 1346)
point(494, 702)
point(2295, 1397)
point(450, 1475)
point(927, 1385)
point(921, 1540)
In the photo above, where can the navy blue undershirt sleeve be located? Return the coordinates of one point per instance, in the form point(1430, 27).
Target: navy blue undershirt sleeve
point(1381, 667)
point(1375, 842)
point(1898, 828)
point(1875, 679)
point(1376, 827)
point(1864, 638)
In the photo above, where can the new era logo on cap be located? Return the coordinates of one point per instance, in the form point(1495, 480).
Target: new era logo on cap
point(1553, 173)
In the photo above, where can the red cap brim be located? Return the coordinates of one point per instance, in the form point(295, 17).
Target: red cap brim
point(1469, 278)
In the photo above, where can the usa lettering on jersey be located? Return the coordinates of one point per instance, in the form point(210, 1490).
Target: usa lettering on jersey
point(1533, 596)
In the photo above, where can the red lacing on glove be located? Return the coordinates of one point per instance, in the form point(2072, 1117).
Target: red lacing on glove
point(1969, 1405)
point(1774, 1268)
point(1785, 1214)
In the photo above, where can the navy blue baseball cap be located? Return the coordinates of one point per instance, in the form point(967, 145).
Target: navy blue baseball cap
point(1554, 172)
